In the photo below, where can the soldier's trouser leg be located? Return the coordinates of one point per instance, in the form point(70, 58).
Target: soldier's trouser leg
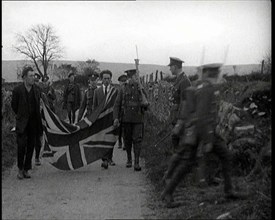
point(128, 142)
point(137, 136)
point(173, 162)
point(188, 157)
point(219, 148)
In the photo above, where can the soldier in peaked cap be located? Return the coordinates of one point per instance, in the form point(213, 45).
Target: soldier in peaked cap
point(178, 94)
point(200, 121)
point(129, 111)
point(87, 102)
point(122, 80)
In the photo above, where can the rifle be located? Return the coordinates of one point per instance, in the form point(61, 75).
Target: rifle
point(144, 101)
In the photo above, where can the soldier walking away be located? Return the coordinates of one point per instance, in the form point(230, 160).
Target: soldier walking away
point(26, 105)
point(200, 116)
point(71, 98)
point(178, 90)
point(130, 106)
point(122, 80)
point(87, 102)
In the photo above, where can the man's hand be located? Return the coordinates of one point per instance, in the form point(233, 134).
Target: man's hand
point(116, 123)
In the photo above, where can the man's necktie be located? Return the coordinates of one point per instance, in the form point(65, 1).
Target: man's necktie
point(105, 90)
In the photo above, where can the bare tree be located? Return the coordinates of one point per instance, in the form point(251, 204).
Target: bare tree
point(41, 45)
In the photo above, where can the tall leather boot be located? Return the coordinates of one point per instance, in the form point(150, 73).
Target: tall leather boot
point(129, 154)
point(137, 150)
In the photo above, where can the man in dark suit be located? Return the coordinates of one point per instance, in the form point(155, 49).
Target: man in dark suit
point(100, 95)
point(26, 105)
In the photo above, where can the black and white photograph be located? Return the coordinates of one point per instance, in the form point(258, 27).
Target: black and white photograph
point(136, 109)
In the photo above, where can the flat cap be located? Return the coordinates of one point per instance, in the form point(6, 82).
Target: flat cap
point(93, 76)
point(175, 61)
point(122, 78)
point(130, 72)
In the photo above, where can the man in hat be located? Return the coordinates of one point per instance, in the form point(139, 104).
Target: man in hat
point(130, 108)
point(71, 97)
point(182, 82)
point(100, 95)
point(26, 105)
point(122, 80)
point(87, 102)
point(200, 116)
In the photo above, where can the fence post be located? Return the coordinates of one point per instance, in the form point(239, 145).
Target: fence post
point(262, 69)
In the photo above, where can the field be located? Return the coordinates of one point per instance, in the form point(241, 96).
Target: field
point(251, 151)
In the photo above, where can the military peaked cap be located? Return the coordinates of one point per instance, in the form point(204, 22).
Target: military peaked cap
point(175, 61)
point(122, 78)
point(213, 69)
point(130, 72)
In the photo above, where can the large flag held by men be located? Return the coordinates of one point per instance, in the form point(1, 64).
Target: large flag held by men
point(74, 146)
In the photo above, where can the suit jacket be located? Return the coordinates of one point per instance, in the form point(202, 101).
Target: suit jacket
point(20, 107)
point(99, 96)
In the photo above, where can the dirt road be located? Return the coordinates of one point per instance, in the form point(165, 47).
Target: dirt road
point(88, 193)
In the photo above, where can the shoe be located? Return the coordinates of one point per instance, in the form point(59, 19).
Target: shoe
point(20, 175)
point(129, 164)
point(170, 202)
point(26, 174)
point(105, 164)
point(111, 163)
point(37, 162)
point(137, 167)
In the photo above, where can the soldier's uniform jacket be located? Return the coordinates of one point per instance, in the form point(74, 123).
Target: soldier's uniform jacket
point(178, 90)
point(201, 110)
point(72, 94)
point(87, 102)
point(128, 106)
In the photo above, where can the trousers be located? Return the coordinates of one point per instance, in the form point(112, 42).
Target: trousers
point(182, 162)
point(25, 145)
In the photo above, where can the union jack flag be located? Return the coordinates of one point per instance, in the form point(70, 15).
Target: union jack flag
point(74, 146)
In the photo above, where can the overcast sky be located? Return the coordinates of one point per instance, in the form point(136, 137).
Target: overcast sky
point(108, 31)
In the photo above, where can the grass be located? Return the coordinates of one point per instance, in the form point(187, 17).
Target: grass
point(208, 203)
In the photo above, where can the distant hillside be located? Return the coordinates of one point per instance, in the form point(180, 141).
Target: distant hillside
point(9, 68)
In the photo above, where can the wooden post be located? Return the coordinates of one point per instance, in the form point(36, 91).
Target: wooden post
point(262, 68)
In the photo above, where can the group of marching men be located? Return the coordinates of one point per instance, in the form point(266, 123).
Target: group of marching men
point(193, 116)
